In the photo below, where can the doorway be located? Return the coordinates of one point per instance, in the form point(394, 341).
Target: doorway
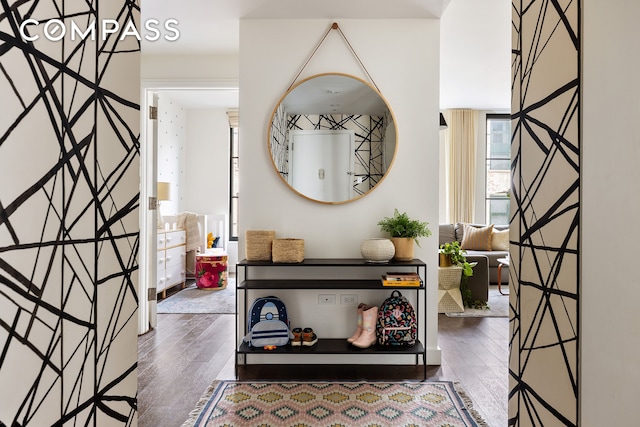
point(321, 163)
point(193, 165)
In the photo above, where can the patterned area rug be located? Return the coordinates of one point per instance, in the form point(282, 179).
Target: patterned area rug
point(301, 404)
point(498, 305)
point(201, 301)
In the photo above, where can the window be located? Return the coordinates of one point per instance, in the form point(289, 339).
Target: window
point(234, 185)
point(498, 168)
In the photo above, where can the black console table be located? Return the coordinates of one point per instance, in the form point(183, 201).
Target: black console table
point(246, 282)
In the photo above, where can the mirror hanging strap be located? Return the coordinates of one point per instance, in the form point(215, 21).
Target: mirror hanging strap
point(334, 26)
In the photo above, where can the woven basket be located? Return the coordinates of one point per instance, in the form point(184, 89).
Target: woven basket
point(288, 250)
point(258, 244)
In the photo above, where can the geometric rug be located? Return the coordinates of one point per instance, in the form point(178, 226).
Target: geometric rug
point(201, 301)
point(323, 403)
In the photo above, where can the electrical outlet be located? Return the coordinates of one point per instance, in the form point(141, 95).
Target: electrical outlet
point(326, 299)
point(348, 299)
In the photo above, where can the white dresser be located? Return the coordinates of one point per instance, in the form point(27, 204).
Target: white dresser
point(172, 257)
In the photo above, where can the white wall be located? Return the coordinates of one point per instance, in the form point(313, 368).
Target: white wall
point(189, 67)
point(206, 188)
point(271, 54)
point(611, 205)
point(171, 151)
point(207, 154)
point(475, 56)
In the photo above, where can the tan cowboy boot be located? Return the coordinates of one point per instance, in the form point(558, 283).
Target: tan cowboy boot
point(368, 336)
point(358, 331)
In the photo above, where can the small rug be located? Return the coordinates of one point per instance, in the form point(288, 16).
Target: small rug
point(344, 404)
point(498, 306)
point(201, 301)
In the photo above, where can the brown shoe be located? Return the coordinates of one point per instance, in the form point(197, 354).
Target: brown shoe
point(309, 337)
point(297, 337)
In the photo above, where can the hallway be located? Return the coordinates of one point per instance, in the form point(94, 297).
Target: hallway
point(178, 360)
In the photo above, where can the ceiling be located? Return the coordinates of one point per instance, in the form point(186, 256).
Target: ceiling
point(211, 27)
point(475, 39)
point(334, 94)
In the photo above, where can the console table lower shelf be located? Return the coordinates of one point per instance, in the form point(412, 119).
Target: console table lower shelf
point(339, 346)
point(325, 274)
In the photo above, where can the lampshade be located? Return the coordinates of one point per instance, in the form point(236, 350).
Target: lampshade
point(443, 122)
point(164, 191)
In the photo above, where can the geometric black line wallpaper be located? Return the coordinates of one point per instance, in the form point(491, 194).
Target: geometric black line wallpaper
point(69, 227)
point(545, 222)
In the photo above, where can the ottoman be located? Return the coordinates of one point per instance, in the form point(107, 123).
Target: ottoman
point(211, 270)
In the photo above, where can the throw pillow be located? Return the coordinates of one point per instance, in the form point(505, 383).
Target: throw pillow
point(500, 240)
point(447, 233)
point(477, 238)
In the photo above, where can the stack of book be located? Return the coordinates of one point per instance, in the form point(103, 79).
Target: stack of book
point(408, 279)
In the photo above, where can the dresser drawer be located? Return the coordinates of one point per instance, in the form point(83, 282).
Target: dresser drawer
point(161, 260)
point(175, 275)
point(175, 238)
point(162, 236)
point(162, 281)
point(175, 256)
point(172, 257)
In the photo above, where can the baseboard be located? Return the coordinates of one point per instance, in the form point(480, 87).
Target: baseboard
point(434, 357)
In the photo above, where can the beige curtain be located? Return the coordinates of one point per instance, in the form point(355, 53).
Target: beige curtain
point(460, 162)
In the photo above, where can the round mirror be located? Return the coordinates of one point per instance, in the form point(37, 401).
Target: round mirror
point(332, 138)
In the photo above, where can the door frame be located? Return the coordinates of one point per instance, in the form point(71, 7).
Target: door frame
point(147, 252)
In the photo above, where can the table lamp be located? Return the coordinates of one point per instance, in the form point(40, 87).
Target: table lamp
point(164, 194)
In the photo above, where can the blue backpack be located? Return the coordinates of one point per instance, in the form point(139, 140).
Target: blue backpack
point(268, 323)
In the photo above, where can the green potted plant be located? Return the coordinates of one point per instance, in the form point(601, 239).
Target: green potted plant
point(451, 254)
point(404, 231)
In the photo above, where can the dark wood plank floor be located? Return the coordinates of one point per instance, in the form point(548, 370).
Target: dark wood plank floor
point(180, 358)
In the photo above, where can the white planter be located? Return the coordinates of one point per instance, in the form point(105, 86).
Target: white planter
point(378, 250)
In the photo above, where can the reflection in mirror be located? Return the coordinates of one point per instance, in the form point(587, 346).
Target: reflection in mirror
point(332, 138)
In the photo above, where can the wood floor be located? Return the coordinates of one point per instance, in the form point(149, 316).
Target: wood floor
point(180, 358)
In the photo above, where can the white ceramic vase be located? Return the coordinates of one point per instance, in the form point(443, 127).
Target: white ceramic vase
point(377, 250)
